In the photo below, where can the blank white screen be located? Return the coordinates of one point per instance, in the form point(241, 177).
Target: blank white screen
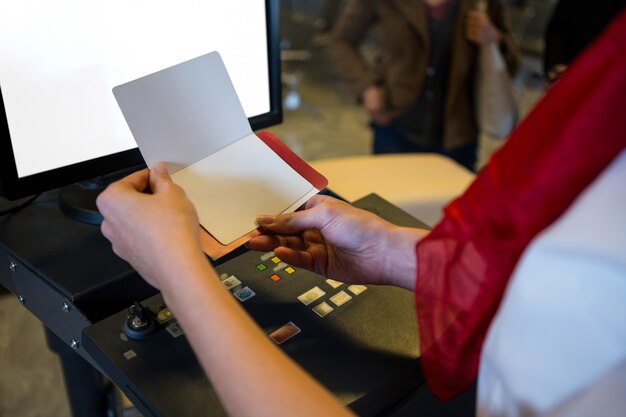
point(59, 60)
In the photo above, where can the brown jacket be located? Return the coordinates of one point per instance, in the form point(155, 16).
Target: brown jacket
point(403, 43)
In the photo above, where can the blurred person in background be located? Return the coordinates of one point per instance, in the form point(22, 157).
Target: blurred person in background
point(419, 89)
point(574, 25)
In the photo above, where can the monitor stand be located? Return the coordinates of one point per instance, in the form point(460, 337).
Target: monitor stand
point(78, 201)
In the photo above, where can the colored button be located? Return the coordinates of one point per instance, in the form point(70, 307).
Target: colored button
point(340, 298)
point(357, 289)
point(266, 256)
point(311, 295)
point(290, 270)
point(275, 278)
point(323, 309)
point(164, 315)
point(231, 282)
point(244, 294)
point(334, 283)
point(261, 267)
point(276, 259)
point(284, 333)
point(280, 266)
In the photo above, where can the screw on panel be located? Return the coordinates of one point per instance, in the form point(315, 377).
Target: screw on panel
point(74, 344)
point(66, 307)
point(21, 298)
point(12, 266)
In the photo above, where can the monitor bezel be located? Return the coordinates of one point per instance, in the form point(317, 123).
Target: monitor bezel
point(14, 187)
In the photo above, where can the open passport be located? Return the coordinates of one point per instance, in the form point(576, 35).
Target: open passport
point(189, 117)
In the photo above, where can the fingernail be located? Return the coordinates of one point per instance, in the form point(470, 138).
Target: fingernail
point(265, 219)
point(160, 168)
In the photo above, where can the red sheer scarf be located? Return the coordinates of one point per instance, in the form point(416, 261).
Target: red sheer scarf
point(465, 263)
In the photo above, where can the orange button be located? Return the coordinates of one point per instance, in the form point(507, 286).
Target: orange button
point(275, 277)
point(284, 333)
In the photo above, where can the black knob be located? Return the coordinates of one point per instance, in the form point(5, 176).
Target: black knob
point(139, 322)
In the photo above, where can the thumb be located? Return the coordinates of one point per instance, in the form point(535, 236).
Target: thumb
point(159, 177)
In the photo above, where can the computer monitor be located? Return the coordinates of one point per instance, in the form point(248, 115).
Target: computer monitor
point(59, 60)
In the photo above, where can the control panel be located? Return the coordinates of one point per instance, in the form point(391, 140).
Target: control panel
point(360, 341)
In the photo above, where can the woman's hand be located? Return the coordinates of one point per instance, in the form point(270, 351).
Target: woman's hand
point(373, 98)
point(336, 240)
point(150, 230)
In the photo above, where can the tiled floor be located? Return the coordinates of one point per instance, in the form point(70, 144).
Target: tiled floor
point(327, 123)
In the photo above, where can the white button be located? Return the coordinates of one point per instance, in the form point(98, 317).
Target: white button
point(340, 298)
point(311, 295)
point(357, 289)
point(174, 329)
point(267, 255)
point(280, 266)
point(231, 282)
point(323, 309)
point(334, 283)
point(129, 354)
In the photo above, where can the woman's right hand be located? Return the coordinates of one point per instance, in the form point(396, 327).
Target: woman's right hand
point(152, 231)
point(334, 239)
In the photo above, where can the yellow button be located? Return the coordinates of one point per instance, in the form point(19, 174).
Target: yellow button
point(276, 259)
point(290, 270)
point(164, 315)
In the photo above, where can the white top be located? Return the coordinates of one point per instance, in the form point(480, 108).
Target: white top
point(557, 346)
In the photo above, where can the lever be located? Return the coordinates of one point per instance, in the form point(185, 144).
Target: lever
point(139, 322)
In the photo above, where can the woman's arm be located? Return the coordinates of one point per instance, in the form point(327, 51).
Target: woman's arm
point(158, 234)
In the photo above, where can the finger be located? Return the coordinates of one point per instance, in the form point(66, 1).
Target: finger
point(300, 259)
point(105, 228)
point(473, 36)
point(477, 15)
point(319, 199)
point(263, 243)
point(131, 184)
point(159, 178)
point(271, 242)
point(293, 223)
point(471, 19)
point(137, 180)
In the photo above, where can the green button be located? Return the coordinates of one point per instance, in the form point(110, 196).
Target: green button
point(261, 267)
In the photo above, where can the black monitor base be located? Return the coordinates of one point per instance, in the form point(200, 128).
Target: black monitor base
point(79, 203)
